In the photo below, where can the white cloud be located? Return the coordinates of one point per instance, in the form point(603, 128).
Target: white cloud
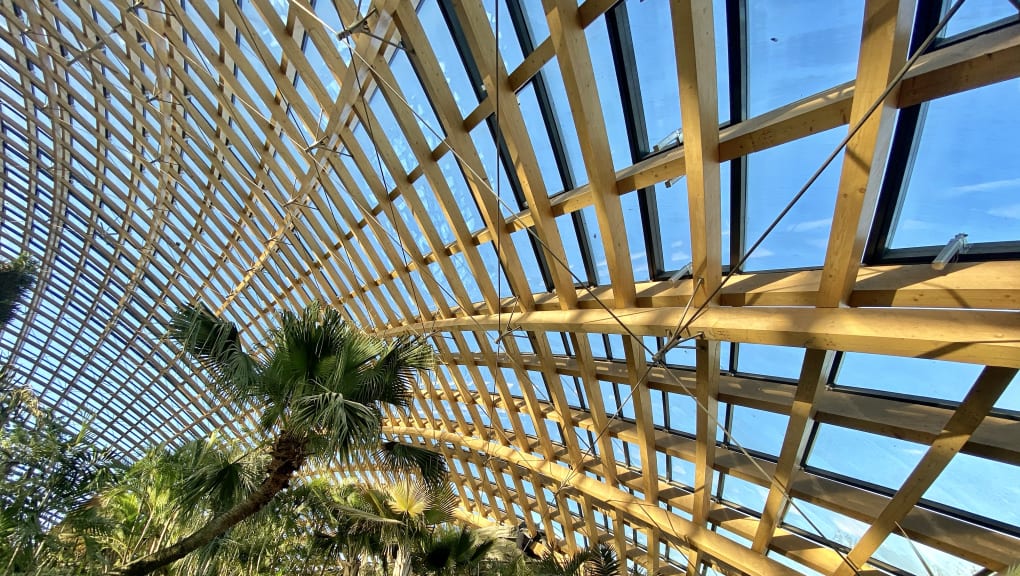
point(811, 225)
point(986, 186)
point(1012, 211)
point(912, 224)
point(761, 253)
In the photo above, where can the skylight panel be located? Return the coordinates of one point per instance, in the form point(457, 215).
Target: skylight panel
point(862, 456)
point(575, 170)
point(253, 28)
point(774, 176)
point(507, 193)
point(410, 85)
point(435, 212)
point(917, 558)
point(765, 360)
point(964, 177)
point(606, 81)
point(918, 377)
point(834, 526)
point(587, 225)
point(977, 14)
point(980, 487)
point(509, 47)
point(744, 494)
point(538, 129)
point(652, 33)
point(758, 430)
point(446, 51)
point(572, 247)
point(799, 48)
point(386, 123)
point(682, 412)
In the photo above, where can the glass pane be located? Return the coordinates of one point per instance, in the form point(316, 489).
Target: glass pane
point(536, 126)
point(609, 92)
point(651, 30)
point(965, 177)
point(759, 430)
point(979, 486)
point(864, 456)
point(446, 52)
point(914, 376)
point(832, 525)
point(774, 177)
point(916, 558)
point(782, 361)
point(975, 14)
point(801, 47)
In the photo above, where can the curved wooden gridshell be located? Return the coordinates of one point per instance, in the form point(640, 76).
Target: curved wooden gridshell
point(158, 151)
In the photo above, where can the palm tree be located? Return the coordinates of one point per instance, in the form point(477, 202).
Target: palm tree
point(319, 392)
point(458, 551)
point(598, 560)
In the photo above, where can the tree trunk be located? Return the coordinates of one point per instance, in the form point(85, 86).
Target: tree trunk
point(402, 565)
point(288, 457)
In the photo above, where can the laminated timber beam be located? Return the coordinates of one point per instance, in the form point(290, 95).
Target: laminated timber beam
point(884, 40)
point(979, 337)
point(977, 285)
point(694, 40)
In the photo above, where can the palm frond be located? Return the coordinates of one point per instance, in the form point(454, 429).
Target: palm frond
point(602, 561)
point(430, 466)
point(216, 344)
point(334, 424)
point(16, 278)
point(391, 377)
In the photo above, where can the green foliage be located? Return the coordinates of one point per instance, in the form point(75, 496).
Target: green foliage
point(454, 551)
point(50, 477)
point(396, 457)
point(16, 278)
point(599, 560)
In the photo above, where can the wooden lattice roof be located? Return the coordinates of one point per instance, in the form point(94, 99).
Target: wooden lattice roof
point(261, 154)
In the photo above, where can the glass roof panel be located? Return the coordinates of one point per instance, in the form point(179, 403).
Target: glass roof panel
point(652, 36)
point(879, 460)
point(914, 376)
point(606, 81)
point(964, 176)
point(799, 48)
point(975, 14)
point(781, 361)
point(758, 430)
point(833, 526)
point(442, 42)
point(917, 558)
point(774, 176)
point(553, 78)
point(980, 487)
point(537, 124)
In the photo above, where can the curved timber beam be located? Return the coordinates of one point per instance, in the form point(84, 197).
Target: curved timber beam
point(701, 538)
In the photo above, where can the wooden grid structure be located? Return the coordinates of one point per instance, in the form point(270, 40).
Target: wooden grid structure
point(161, 152)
